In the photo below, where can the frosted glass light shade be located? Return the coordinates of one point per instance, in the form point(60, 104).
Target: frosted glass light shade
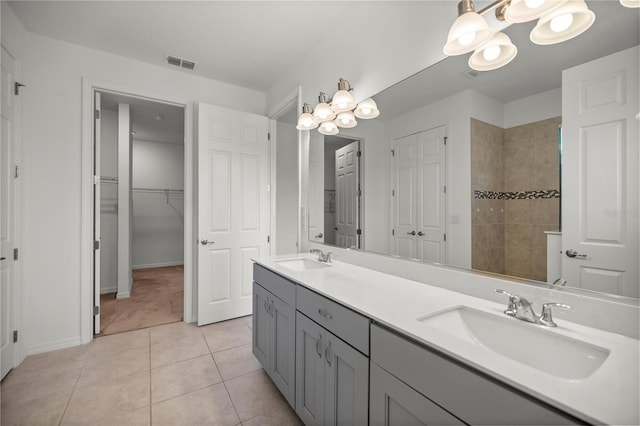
point(367, 109)
point(342, 101)
point(527, 10)
point(574, 12)
point(630, 3)
point(346, 120)
point(328, 128)
point(323, 113)
point(495, 53)
point(468, 32)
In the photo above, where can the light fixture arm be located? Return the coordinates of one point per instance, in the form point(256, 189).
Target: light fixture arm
point(465, 6)
point(345, 85)
point(498, 5)
point(323, 98)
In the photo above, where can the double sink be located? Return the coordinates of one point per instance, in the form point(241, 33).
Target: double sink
point(533, 345)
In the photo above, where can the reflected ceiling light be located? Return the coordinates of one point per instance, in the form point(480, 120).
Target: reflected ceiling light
point(569, 20)
point(305, 121)
point(346, 120)
point(342, 100)
point(468, 32)
point(495, 53)
point(342, 105)
point(630, 3)
point(527, 10)
point(322, 111)
point(367, 109)
point(328, 128)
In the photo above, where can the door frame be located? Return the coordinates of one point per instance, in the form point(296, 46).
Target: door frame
point(89, 87)
point(294, 98)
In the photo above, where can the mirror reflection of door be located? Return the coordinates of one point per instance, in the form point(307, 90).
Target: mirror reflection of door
point(342, 192)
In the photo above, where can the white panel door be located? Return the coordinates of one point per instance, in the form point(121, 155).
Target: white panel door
point(347, 195)
point(405, 197)
point(96, 211)
point(7, 220)
point(233, 210)
point(431, 195)
point(600, 174)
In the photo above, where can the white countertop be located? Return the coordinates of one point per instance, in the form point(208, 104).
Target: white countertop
point(610, 395)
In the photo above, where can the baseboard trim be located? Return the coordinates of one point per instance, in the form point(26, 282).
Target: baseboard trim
point(53, 346)
point(106, 290)
point(123, 295)
point(157, 265)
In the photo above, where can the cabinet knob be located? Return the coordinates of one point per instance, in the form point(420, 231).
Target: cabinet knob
point(324, 314)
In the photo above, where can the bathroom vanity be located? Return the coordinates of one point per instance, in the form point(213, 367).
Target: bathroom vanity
point(347, 344)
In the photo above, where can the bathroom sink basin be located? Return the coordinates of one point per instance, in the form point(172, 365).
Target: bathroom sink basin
point(302, 264)
point(520, 341)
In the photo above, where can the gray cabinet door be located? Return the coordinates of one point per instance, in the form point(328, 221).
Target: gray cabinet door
point(310, 338)
point(261, 328)
point(346, 384)
point(283, 342)
point(394, 403)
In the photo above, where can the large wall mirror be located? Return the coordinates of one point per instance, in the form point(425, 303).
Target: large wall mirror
point(466, 168)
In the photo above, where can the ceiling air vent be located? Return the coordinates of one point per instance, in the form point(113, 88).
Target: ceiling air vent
point(179, 62)
point(471, 74)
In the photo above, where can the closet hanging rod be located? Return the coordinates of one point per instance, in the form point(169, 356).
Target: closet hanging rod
point(160, 191)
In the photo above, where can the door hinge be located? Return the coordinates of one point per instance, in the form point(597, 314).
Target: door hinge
point(268, 238)
point(445, 140)
point(96, 114)
point(445, 237)
point(16, 87)
point(358, 231)
point(393, 152)
point(359, 154)
point(445, 189)
point(17, 173)
point(393, 192)
point(15, 254)
point(96, 245)
point(15, 336)
point(268, 188)
point(393, 232)
point(96, 310)
point(268, 136)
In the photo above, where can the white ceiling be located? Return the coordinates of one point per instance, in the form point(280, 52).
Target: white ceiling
point(170, 127)
point(246, 43)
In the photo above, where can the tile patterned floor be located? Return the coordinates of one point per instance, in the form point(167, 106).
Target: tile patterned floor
point(174, 374)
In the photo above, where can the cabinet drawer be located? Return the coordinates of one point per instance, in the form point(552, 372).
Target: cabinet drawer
point(469, 395)
point(343, 322)
point(284, 289)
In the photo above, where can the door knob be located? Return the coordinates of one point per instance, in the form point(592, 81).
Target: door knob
point(573, 253)
point(411, 233)
point(420, 233)
point(3, 258)
point(206, 242)
point(319, 235)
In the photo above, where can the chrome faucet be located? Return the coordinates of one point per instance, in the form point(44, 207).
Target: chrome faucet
point(522, 309)
point(322, 257)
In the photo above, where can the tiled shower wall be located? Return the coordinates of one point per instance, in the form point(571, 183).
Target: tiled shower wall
point(526, 159)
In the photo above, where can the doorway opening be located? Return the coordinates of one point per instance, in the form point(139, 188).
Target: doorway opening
point(139, 213)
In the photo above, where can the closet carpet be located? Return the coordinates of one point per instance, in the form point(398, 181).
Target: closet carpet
point(156, 298)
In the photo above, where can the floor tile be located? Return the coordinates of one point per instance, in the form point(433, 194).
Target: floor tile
point(173, 331)
point(100, 401)
point(140, 417)
point(249, 321)
point(71, 355)
point(43, 411)
point(22, 385)
point(255, 396)
point(221, 338)
point(236, 362)
point(177, 350)
point(183, 377)
point(208, 406)
point(100, 368)
point(115, 343)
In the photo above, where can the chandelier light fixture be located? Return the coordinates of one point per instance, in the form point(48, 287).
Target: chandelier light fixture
point(558, 21)
point(630, 3)
point(338, 112)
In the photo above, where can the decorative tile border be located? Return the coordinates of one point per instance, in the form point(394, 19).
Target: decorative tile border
point(522, 195)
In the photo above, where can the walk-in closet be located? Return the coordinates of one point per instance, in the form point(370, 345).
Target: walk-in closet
point(139, 224)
